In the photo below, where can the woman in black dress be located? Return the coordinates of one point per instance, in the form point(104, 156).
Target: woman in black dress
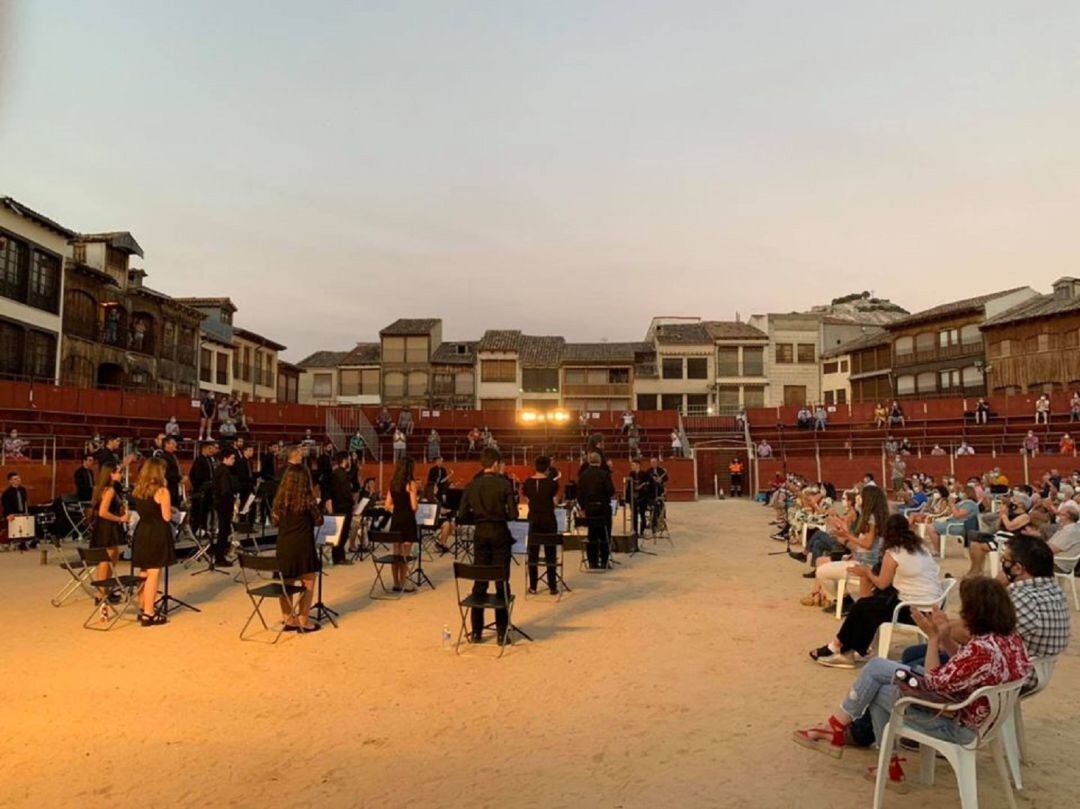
point(401, 501)
point(540, 490)
point(152, 544)
point(296, 512)
point(110, 517)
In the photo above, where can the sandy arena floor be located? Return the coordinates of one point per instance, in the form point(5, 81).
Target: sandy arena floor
point(674, 682)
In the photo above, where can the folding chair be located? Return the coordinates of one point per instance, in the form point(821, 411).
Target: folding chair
point(542, 542)
point(105, 615)
point(1002, 701)
point(75, 519)
point(259, 589)
point(80, 574)
point(886, 631)
point(386, 540)
point(203, 541)
point(658, 522)
point(500, 599)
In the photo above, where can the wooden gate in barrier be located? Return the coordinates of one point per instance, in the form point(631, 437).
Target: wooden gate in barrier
point(712, 467)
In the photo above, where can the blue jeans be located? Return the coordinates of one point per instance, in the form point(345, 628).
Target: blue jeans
point(822, 544)
point(875, 690)
point(914, 657)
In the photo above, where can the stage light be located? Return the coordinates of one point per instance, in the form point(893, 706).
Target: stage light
point(559, 416)
point(529, 417)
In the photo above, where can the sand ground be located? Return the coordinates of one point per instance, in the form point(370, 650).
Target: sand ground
point(675, 681)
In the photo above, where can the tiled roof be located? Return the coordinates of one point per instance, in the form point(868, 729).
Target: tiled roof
point(1038, 307)
point(363, 354)
point(683, 334)
point(411, 326)
point(254, 337)
point(462, 352)
point(960, 307)
point(500, 340)
point(323, 359)
point(541, 352)
point(586, 353)
point(217, 303)
point(19, 209)
point(120, 239)
point(871, 340)
point(732, 330)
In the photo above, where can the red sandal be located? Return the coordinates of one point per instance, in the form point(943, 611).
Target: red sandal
point(897, 781)
point(832, 741)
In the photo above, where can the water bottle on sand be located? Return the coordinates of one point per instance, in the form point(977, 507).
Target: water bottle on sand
point(446, 636)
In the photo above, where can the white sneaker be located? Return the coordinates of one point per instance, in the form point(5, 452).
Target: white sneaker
point(840, 660)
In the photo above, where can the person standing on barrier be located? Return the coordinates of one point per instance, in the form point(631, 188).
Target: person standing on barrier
point(595, 490)
point(488, 503)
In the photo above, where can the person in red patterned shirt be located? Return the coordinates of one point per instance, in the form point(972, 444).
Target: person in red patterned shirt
point(994, 655)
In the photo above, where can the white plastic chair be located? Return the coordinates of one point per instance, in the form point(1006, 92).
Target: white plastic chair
point(953, 528)
point(886, 631)
point(961, 757)
point(1063, 572)
point(1013, 732)
point(842, 589)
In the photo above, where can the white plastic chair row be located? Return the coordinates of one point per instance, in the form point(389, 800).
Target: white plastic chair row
point(1063, 572)
point(961, 757)
point(886, 631)
point(1013, 732)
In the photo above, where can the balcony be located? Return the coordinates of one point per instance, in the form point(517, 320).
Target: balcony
point(597, 391)
point(938, 353)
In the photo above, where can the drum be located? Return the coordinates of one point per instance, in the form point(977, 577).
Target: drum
point(21, 526)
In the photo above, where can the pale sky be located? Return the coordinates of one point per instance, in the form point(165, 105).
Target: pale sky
point(559, 167)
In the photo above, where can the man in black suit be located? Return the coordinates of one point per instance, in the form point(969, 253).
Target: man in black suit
point(488, 503)
point(243, 476)
point(224, 493)
point(84, 480)
point(201, 476)
point(595, 490)
point(340, 501)
point(173, 475)
point(15, 503)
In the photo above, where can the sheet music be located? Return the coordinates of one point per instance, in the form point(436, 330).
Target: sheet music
point(329, 533)
point(519, 530)
point(427, 514)
point(358, 509)
point(247, 504)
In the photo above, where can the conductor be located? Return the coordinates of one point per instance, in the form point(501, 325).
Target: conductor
point(488, 502)
point(595, 490)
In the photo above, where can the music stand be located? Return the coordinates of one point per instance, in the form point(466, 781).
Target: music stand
point(361, 518)
point(206, 550)
point(632, 506)
point(330, 534)
point(417, 575)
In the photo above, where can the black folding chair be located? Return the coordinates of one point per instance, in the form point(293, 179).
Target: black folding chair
point(500, 599)
point(385, 540)
point(123, 587)
point(259, 589)
point(80, 572)
point(549, 546)
point(74, 519)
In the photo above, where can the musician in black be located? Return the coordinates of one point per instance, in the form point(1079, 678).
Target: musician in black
point(595, 444)
point(438, 481)
point(201, 476)
point(658, 477)
point(173, 475)
point(224, 494)
point(243, 475)
point(595, 490)
point(638, 496)
point(84, 480)
point(340, 501)
point(109, 455)
point(540, 490)
point(488, 503)
point(15, 504)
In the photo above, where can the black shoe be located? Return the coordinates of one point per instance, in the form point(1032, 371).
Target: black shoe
point(312, 627)
point(476, 638)
point(344, 562)
point(553, 590)
point(223, 562)
point(532, 591)
point(811, 575)
point(797, 555)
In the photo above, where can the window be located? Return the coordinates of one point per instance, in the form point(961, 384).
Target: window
point(950, 378)
point(926, 381)
point(360, 382)
point(830, 368)
point(903, 346)
point(753, 361)
point(972, 377)
point(394, 385)
point(205, 359)
point(970, 334)
point(416, 349)
point(697, 368)
point(727, 399)
point(464, 383)
point(44, 281)
point(498, 371)
point(646, 401)
point(948, 337)
point(785, 353)
point(727, 361)
point(925, 342)
point(697, 404)
point(540, 380)
point(841, 396)
point(829, 398)
point(807, 353)
point(905, 385)
point(753, 396)
point(393, 349)
point(11, 348)
point(843, 368)
point(418, 383)
point(80, 314)
point(794, 395)
point(1008, 347)
point(40, 354)
point(13, 256)
point(672, 368)
point(1048, 342)
point(671, 401)
point(618, 376)
point(222, 368)
point(322, 385)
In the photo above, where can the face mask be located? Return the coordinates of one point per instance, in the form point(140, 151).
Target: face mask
point(1007, 568)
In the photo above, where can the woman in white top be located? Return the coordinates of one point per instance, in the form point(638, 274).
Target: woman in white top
point(908, 573)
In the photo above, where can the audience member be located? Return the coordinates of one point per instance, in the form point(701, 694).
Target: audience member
point(764, 449)
point(1030, 447)
point(14, 446)
point(881, 415)
point(982, 411)
point(1066, 446)
point(896, 415)
point(1042, 409)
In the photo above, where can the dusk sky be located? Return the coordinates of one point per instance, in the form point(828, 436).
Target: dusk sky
point(559, 167)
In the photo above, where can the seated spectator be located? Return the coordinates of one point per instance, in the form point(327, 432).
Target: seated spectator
point(240, 417)
point(676, 444)
point(937, 450)
point(908, 573)
point(891, 445)
point(227, 429)
point(1074, 406)
point(905, 446)
point(896, 415)
point(399, 445)
point(1014, 517)
point(633, 442)
point(583, 423)
point(14, 446)
point(881, 415)
point(982, 411)
point(357, 443)
point(821, 544)
point(384, 424)
point(993, 654)
point(917, 497)
point(627, 421)
point(820, 418)
point(1042, 409)
point(803, 418)
point(1030, 447)
point(937, 507)
point(1066, 446)
point(405, 421)
point(434, 445)
point(1066, 540)
point(964, 512)
point(474, 440)
point(172, 428)
point(764, 449)
point(964, 449)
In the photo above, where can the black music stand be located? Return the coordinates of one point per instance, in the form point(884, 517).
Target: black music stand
point(319, 610)
point(631, 504)
point(417, 575)
point(165, 602)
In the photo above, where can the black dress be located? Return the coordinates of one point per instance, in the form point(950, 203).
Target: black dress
point(403, 518)
point(296, 555)
point(106, 533)
point(541, 495)
point(152, 545)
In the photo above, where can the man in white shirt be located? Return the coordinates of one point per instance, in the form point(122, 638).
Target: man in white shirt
point(965, 449)
point(1066, 540)
point(764, 449)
